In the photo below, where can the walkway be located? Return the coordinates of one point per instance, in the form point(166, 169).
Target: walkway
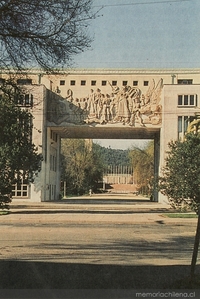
point(90, 243)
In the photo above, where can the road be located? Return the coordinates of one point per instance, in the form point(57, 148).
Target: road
point(94, 244)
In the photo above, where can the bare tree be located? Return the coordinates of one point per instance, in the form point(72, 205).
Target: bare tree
point(45, 33)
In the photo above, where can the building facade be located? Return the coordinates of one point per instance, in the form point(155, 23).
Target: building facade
point(111, 104)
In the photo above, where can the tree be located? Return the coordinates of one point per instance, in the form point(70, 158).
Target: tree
point(43, 32)
point(81, 167)
point(180, 180)
point(115, 157)
point(19, 159)
point(142, 161)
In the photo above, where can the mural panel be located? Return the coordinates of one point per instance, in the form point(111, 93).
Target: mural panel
point(125, 106)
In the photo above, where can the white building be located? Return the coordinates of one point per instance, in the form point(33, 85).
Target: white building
point(111, 104)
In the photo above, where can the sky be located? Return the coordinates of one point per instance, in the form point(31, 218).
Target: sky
point(143, 34)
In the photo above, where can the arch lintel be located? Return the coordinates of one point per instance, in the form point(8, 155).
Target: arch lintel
point(106, 132)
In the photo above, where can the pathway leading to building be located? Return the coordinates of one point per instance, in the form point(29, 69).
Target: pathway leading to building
point(92, 243)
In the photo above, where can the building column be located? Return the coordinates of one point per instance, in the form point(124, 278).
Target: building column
point(156, 163)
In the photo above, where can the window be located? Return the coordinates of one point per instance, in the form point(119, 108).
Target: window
point(72, 82)
point(24, 81)
point(114, 83)
point(53, 162)
point(103, 83)
point(124, 83)
point(183, 122)
point(54, 136)
point(24, 100)
point(93, 82)
point(52, 191)
point(21, 190)
point(187, 100)
point(146, 83)
point(180, 100)
point(28, 100)
point(135, 83)
point(62, 82)
point(185, 81)
point(83, 82)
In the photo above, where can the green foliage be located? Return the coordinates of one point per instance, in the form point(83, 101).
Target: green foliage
point(81, 166)
point(180, 180)
point(113, 156)
point(180, 215)
point(18, 156)
point(142, 161)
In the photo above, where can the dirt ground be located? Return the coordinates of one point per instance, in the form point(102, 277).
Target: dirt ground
point(123, 243)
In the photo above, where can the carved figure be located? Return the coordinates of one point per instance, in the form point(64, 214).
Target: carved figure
point(61, 113)
point(105, 113)
point(69, 96)
point(98, 103)
point(112, 106)
point(135, 105)
point(126, 105)
point(123, 113)
point(91, 104)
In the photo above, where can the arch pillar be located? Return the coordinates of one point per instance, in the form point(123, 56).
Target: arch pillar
point(156, 163)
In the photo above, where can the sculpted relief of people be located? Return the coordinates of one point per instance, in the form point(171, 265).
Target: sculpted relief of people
point(126, 105)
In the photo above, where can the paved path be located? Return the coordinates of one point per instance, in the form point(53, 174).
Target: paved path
point(86, 243)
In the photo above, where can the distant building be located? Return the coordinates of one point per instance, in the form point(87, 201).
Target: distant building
point(119, 178)
point(118, 174)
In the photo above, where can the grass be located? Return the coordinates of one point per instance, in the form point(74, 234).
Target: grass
point(4, 213)
point(180, 215)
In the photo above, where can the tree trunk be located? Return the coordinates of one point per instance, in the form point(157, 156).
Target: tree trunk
point(196, 246)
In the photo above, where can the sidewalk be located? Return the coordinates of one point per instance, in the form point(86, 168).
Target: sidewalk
point(103, 200)
point(101, 203)
point(123, 209)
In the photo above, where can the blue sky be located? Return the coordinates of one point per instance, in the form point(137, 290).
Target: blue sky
point(143, 34)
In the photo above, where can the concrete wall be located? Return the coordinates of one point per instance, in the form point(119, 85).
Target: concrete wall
point(170, 113)
point(52, 87)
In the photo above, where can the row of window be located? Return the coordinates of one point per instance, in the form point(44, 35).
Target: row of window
point(93, 82)
point(23, 190)
point(187, 100)
point(19, 81)
point(124, 83)
point(185, 81)
point(24, 100)
point(103, 83)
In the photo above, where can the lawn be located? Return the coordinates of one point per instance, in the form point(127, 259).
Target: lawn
point(180, 215)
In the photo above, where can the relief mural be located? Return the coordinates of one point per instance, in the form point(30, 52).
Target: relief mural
point(126, 105)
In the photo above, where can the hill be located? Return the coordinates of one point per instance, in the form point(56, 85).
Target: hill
point(113, 156)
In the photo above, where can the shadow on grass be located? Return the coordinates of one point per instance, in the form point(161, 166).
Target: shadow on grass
point(45, 275)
